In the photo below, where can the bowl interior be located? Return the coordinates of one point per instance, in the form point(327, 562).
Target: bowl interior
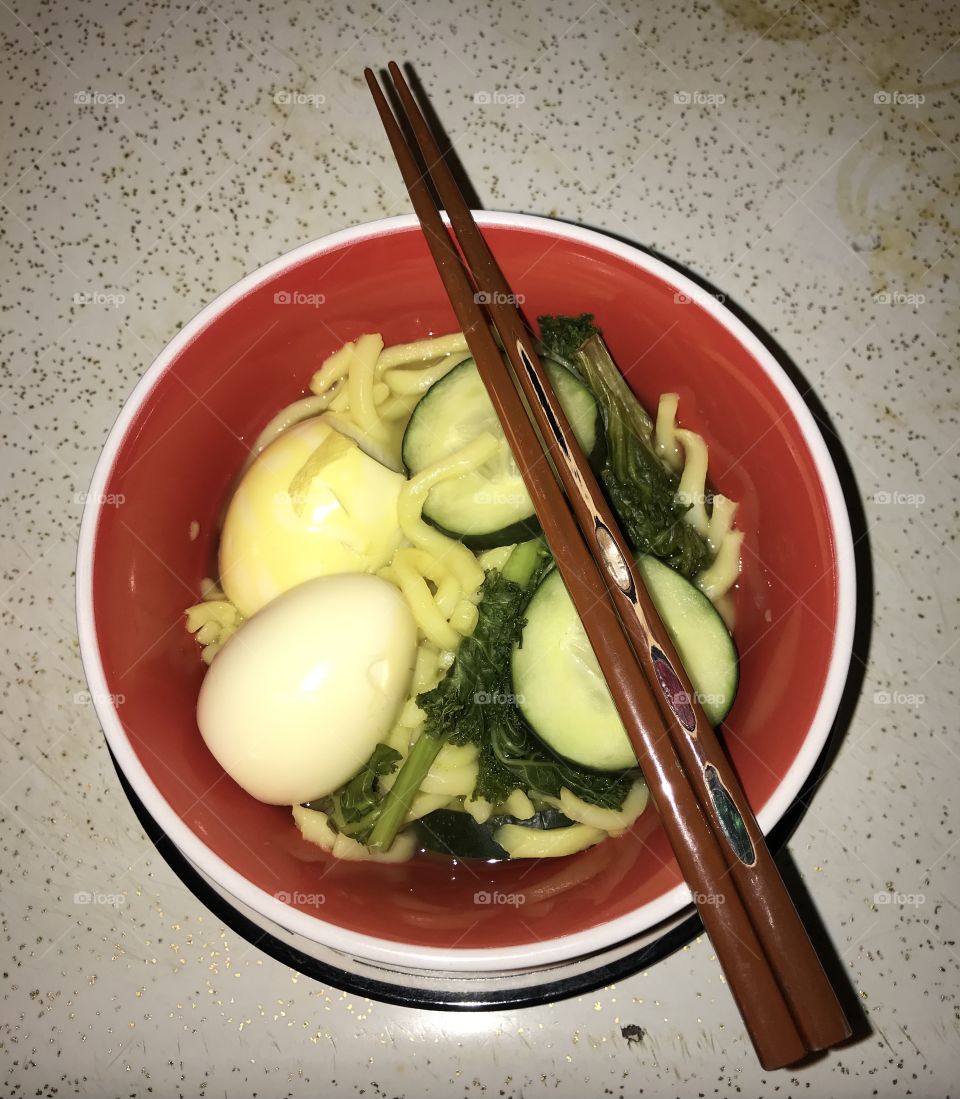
point(178, 459)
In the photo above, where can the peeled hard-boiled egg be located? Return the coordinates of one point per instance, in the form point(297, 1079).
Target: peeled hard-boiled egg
point(298, 698)
point(311, 504)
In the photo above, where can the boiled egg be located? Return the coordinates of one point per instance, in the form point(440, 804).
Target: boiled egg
point(313, 503)
point(297, 699)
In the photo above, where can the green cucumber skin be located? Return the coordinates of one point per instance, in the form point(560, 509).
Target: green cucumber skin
point(656, 574)
point(602, 744)
point(529, 526)
point(522, 531)
point(548, 617)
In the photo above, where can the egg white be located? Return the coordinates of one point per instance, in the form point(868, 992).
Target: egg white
point(311, 504)
point(301, 694)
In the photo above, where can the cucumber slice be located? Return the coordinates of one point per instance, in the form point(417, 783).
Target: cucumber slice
point(561, 690)
point(559, 686)
point(491, 506)
point(699, 635)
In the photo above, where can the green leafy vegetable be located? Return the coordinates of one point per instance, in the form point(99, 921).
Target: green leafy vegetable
point(355, 807)
point(513, 757)
point(454, 700)
point(473, 704)
point(564, 336)
point(640, 488)
point(454, 832)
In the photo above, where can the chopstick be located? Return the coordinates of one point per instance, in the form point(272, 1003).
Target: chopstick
point(809, 993)
point(704, 860)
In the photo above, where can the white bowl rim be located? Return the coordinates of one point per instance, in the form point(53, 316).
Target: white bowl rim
point(383, 950)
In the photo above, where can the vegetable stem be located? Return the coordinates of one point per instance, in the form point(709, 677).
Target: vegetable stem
point(520, 568)
point(399, 798)
point(628, 423)
point(641, 489)
point(524, 561)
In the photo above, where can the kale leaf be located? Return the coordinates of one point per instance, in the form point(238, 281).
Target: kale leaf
point(640, 488)
point(354, 808)
point(474, 703)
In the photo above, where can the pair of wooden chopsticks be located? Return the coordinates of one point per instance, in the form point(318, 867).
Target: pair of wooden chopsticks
point(778, 982)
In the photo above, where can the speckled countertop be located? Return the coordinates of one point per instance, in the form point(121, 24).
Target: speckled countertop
point(802, 156)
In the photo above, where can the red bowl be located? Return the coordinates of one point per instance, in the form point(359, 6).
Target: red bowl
point(174, 452)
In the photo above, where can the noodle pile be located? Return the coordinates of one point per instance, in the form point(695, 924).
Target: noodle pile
point(368, 392)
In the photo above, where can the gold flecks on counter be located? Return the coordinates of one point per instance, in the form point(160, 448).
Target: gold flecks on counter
point(820, 192)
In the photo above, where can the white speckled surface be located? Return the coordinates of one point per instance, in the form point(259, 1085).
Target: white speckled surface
point(802, 156)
